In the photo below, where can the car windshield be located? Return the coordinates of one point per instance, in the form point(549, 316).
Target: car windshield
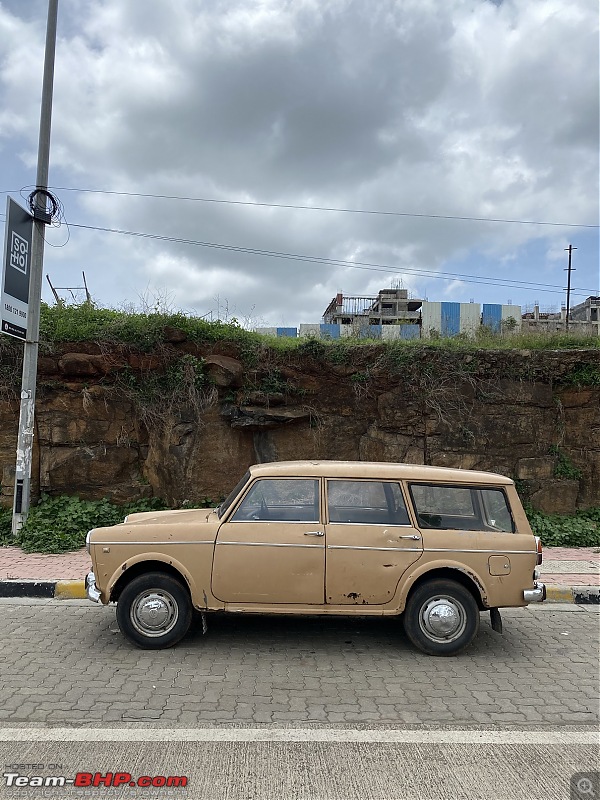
point(222, 509)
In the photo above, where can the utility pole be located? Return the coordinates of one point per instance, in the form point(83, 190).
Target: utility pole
point(569, 250)
point(22, 493)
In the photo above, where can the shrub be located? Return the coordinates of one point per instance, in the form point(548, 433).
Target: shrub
point(558, 530)
point(59, 524)
point(5, 526)
point(563, 467)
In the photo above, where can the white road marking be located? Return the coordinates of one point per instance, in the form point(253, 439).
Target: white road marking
point(341, 735)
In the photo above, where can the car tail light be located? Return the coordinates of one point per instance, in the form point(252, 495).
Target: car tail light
point(538, 546)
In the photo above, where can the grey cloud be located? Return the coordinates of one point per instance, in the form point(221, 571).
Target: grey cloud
point(323, 110)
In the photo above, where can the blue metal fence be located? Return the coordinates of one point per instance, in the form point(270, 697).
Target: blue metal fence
point(329, 331)
point(293, 332)
point(369, 332)
point(492, 316)
point(410, 331)
point(450, 319)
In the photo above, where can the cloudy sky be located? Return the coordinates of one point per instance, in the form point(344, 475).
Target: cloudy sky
point(350, 134)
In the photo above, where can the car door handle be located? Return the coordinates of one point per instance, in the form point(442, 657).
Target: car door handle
point(411, 536)
point(314, 533)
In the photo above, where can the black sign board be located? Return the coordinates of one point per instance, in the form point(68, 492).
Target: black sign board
point(14, 307)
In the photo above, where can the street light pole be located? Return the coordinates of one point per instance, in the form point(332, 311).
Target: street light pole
point(22, 494)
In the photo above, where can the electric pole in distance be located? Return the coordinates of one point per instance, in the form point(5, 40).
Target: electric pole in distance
point(568, 270)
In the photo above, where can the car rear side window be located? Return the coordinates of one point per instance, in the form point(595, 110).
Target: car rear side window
point(496, 511)
point(461, 508)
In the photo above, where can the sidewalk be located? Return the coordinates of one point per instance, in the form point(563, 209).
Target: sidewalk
point(571, 575)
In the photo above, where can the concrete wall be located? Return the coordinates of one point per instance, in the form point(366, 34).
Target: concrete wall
point(513, 312)
point(431, 319)
point(558, 326)
point(470, 318)
point(266, 331)
point(310, 329)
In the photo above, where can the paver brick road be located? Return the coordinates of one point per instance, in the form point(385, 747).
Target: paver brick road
point(65, 662)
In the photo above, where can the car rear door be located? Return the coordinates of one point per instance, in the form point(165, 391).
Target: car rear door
point(371, 541)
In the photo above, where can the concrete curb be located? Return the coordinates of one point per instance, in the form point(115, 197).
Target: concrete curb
point(75, 590)
point(582, 595)
point(61, 590)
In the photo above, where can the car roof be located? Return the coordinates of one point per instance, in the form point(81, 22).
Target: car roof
point(372, 469)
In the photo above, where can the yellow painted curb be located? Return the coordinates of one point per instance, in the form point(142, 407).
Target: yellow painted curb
point(559, 594)
point(70, 590)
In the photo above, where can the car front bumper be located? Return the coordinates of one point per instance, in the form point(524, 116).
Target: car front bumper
point(91, 591)
point(535, 595)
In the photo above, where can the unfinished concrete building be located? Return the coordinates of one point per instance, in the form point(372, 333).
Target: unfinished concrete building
point(390, 307)
point(588, 312)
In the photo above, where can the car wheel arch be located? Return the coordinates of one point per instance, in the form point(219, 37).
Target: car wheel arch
point(458, 574)
point(145, 564)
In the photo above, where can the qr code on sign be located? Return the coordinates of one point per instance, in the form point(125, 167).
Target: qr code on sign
point(19, 253)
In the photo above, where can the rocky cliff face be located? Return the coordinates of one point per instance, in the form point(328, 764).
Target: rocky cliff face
point(185, 422)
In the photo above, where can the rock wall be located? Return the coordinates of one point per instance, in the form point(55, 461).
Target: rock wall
point(101, 432)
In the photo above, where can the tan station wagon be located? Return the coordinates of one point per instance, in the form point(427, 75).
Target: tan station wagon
point(435, 545)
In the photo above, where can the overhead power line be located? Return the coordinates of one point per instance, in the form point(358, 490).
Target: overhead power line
point(372, 267)
point(506, 282)
point(299, 207)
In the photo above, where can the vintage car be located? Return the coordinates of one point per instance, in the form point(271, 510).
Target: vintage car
point(434, 545)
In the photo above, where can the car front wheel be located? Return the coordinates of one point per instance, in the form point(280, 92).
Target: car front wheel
point(441, 618)
point(154, 611)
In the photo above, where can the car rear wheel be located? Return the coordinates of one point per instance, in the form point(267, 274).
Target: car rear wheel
point(441, 618)
point(154, 611)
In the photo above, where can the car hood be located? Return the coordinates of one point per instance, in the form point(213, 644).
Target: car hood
point(182, 515)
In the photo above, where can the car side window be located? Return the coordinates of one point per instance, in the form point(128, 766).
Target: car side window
point(280, 500)
point(366, 503)
point(446, 507)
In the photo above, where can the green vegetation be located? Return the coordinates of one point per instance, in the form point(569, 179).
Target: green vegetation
point(557, 530)
point(155, 389)
point(336, 350)
point(5, 526)
point(563, 467)
point(180, 383)
point(273, 383)
point(87, 323)
point(582, 377)
point(60, 524)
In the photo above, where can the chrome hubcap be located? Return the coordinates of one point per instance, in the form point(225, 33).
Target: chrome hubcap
point(443, 619)
point(154, 612)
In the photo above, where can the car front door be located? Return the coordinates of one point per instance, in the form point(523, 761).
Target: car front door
point(371, 541)
point(271, 548)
